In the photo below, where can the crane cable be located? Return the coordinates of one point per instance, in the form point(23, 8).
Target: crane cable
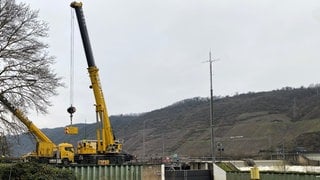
point(71, 109)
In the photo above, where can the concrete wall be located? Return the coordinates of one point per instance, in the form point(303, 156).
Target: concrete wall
point(219, 173)
point(313, 156)
point(276, 166)
point(272, 176)
point(203, 165)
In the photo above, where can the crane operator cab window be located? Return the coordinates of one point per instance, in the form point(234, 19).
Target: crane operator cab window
point(70, 149)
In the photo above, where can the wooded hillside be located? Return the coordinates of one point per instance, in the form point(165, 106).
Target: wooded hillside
point(245, 125)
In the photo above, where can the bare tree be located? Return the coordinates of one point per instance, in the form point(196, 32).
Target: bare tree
point(26, 77)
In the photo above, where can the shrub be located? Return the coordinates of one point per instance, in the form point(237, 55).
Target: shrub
point(35, 171)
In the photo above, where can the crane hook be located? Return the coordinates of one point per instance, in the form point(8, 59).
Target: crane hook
point(71, 110)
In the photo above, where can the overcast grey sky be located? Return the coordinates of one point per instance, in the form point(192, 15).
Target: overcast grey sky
point(151, 52)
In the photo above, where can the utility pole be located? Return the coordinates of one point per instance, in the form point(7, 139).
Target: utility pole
point(144, 142)
point(294, 109)
point(211, 114)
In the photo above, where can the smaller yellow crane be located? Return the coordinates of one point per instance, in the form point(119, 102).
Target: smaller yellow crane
point(46, 151)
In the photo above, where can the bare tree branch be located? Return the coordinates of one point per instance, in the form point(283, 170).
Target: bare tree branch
point(26, 77)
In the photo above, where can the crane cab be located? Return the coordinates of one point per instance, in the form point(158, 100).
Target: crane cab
point(87, 147)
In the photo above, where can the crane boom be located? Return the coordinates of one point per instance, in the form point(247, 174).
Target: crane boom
point(84, 33)
point(46, 150)
point(20, 115)
point(105, 138)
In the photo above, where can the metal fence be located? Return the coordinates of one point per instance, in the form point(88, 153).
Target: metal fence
point(273, 176)
point(139, 172)
point(115, 172)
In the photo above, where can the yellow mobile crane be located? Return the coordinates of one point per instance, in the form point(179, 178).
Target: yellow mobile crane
point(46, 151)
point(105, 149)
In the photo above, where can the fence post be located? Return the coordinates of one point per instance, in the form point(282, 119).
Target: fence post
point(162, 172)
